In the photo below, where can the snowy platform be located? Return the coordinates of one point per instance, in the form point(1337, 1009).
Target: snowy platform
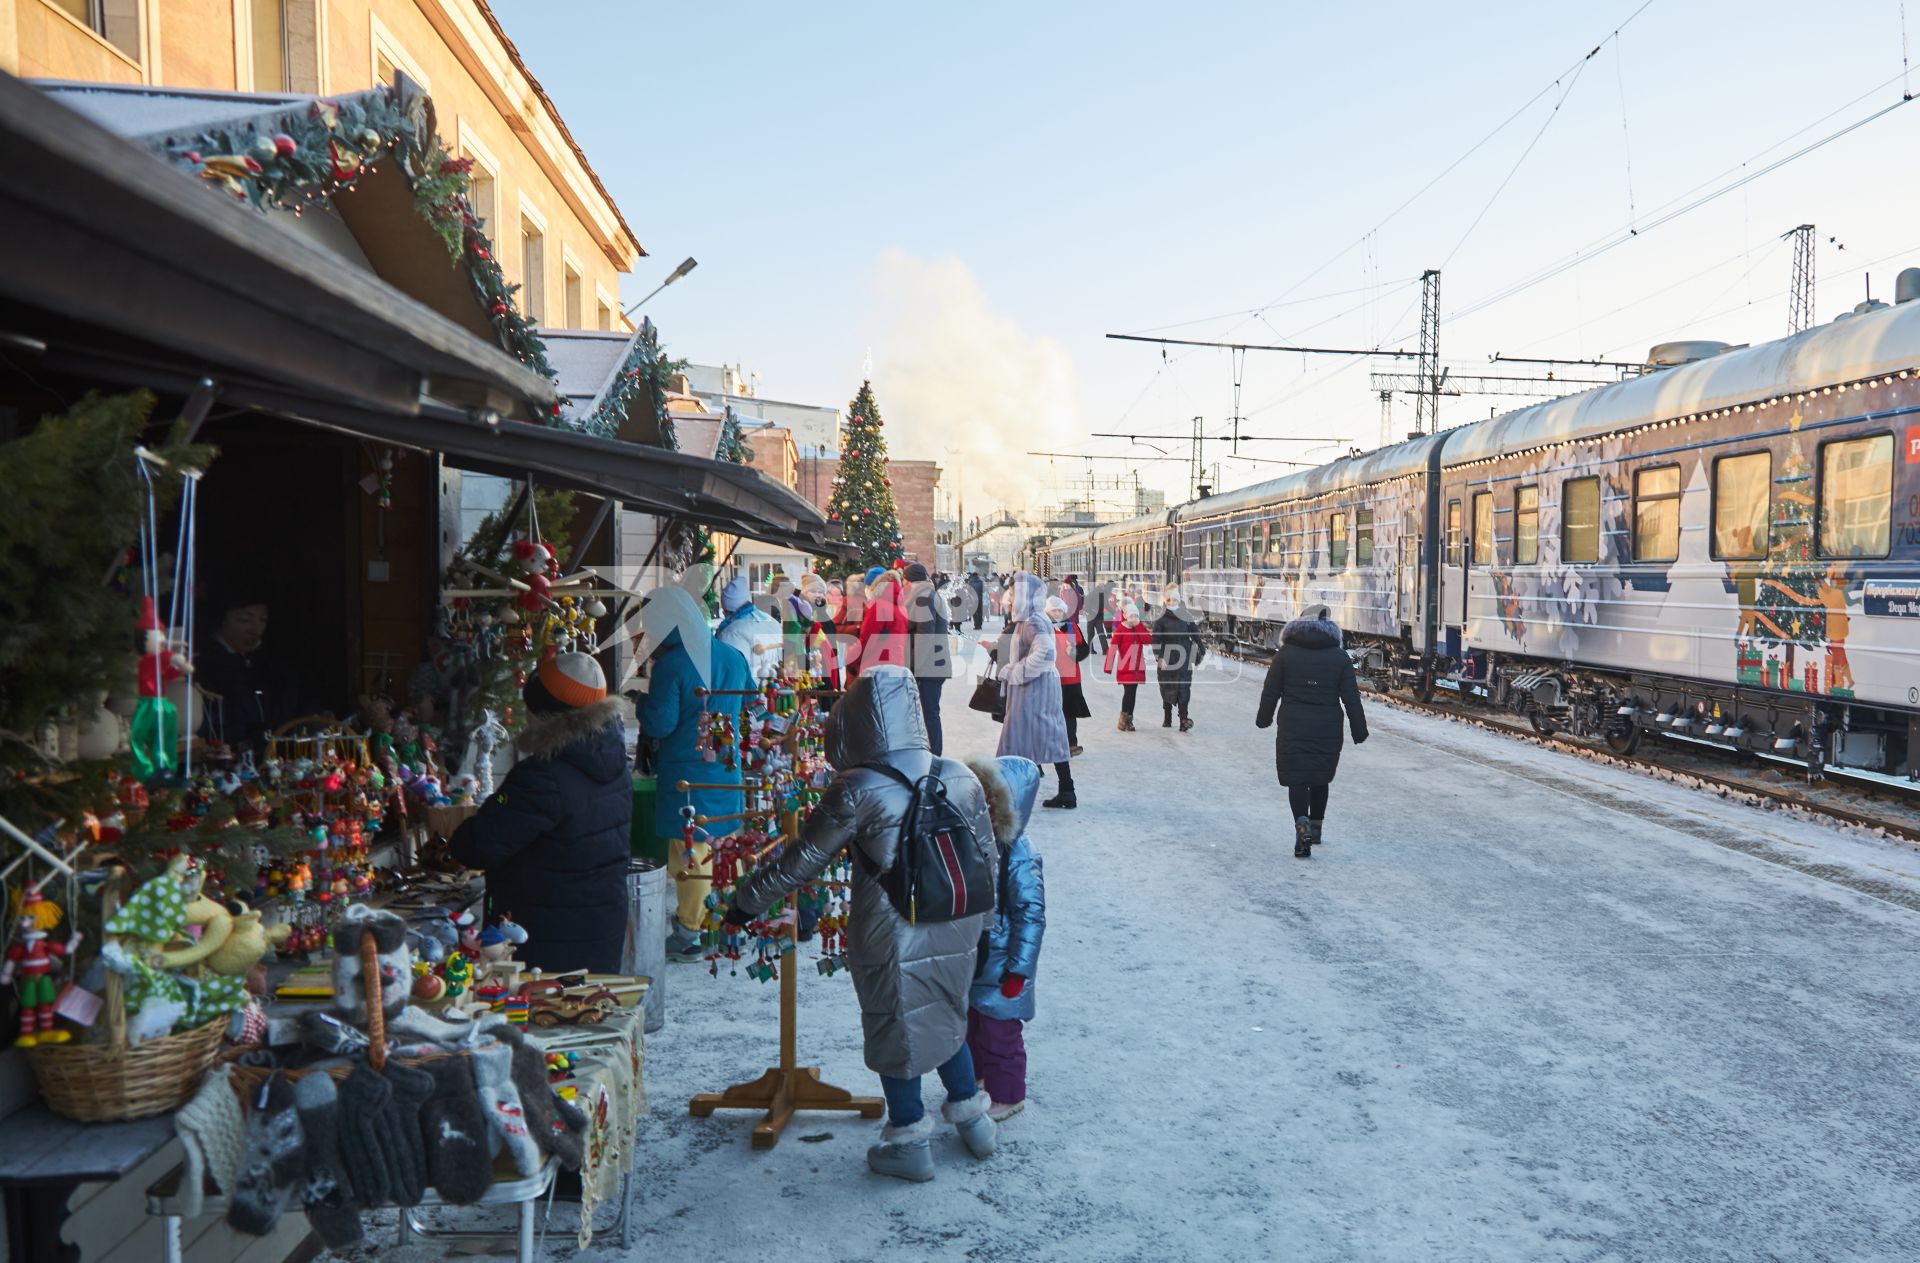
point(1519, 1006)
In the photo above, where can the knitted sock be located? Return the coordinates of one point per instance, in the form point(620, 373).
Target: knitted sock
point(537, 1099)
point(326, 1194)
point(459, 1147)
point(493, 1080)
point(363, 1097)
point(213, 1133)
point(271, 1161)
point(406, 1151)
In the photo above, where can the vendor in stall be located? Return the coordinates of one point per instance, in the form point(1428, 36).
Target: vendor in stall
point(252, 691)
point(553, 838)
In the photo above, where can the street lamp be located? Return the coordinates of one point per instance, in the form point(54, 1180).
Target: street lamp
point(687, 265)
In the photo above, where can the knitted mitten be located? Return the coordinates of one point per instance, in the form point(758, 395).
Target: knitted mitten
point(271, 1161)
point(406, 1150)
point(537, 1099)
point(363, 1098)
point(213, 1133)
point(326, 1194)
point(493, 1080)
point(459, 1146)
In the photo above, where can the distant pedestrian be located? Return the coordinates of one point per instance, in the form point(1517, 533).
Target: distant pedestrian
point(1002, 996)
point(911, 976)
point(1178, 647)
point(1126, 660)
point(1100, 615)
point(882, 640)
point(751, 630)
point(1070, 649)
point(1075, 596)
point(1310, 679)
point(931, 648)
point(978, 587)
point(1035, 726)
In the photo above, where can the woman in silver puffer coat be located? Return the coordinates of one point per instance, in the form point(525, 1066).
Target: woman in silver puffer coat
point(912, 979)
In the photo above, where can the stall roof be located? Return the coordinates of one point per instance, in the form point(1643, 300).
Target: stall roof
point(111, 252)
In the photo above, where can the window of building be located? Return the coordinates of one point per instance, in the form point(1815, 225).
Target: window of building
point(1453, 532)
point(1856, 494)
point(1742, 502)
point(1337, 541)
point(483, 194)
point(1483, 528)
point(269, 21)
point(1656, 514)
point(1526, 526)
point(603, 317)
point(533, 271)
point(1363, 537)
point(571, 298)
point(1580, 520)
point(116, 21)
point(389, 58)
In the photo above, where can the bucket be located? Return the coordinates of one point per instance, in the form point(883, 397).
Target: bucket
point(649, 904)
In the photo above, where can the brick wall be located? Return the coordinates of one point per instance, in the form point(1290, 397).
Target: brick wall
point(913, 485)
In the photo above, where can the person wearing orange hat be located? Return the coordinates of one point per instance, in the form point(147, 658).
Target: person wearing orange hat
point(553, 839)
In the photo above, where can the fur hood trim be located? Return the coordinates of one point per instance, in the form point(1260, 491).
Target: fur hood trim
point(547, 735)
point(1006, 823)
point(1311, 633)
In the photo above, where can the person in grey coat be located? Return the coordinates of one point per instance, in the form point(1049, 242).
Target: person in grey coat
point(912, 979)
point(1310, 679)
point(1036, 723)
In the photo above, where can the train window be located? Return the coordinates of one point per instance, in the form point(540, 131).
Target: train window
point(1337, 541)
point(1483, 528)
point(1656, 514)
point(1742, 487)
point(1363, 537)
point(1526, 526)
point(1453, 532)
point(1580, 520)
point(1856, 492)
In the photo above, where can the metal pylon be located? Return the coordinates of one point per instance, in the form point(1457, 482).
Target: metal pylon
point(1427, 402)
point(1800, 297)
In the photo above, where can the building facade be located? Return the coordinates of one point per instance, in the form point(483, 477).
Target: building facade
point(556, 230)
point(915, 483)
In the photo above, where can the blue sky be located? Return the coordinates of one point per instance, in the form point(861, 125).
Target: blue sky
point(980, 192)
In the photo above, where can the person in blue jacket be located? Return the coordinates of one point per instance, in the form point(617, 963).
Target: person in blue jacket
point(553, 838)
point(1002, 994)
point(686, 658)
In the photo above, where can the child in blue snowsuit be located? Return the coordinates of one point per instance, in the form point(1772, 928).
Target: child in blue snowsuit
point(1002, 994)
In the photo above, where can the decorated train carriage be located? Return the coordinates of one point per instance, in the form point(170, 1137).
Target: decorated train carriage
point(1727, 548)
point(1346, 535)
point(1136, 557)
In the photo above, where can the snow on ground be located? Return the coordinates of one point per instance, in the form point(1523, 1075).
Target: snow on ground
point(1520, 1006)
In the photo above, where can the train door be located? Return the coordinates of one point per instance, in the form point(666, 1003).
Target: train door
point(1453, 575)
point(1410, 576)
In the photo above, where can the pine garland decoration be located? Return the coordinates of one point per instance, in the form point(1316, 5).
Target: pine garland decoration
point(862, 491)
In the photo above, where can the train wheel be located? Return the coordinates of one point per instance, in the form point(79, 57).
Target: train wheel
point(1542, 724)
point(1624, 743)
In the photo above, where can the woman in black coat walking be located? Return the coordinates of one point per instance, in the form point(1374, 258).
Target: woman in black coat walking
point(1310, 679)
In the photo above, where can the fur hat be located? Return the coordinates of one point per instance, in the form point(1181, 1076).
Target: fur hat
point(566, 681)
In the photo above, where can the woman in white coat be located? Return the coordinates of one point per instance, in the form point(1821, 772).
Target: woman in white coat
point(1036, 724)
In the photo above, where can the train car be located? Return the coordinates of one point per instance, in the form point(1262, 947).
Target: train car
point(1136, 558)
point(1354, 535)
point(1725, 548)
point(1070, 554)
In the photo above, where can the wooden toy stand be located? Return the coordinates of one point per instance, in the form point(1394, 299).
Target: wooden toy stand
point(789, 1086)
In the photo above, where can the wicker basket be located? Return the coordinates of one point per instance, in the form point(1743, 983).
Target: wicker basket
point(110, 1082)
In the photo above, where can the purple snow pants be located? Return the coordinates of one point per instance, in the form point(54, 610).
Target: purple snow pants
point(999, 1056)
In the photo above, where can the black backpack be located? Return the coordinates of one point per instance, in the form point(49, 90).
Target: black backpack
point(938, 872)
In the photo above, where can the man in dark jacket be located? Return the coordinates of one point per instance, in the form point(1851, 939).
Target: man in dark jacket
point(930, 647)
point(1310, 679)
point(978, 587)
point(553, 838)
point(1178, 647)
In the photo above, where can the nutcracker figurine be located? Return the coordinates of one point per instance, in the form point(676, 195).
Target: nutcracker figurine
point(30, 961)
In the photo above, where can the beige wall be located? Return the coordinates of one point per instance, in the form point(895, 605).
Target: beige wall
point(487, 108)
point(913, 487)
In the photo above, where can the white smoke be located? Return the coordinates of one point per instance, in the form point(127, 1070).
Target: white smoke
point(951, 372)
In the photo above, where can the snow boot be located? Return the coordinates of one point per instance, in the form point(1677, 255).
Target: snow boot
point(1126, 722)
point(1313, 832)
point(904, 1152)
point(685, 947)
point(1186, 723)
point(1166, 717)
point(1064, 798)
point(1302, 838)
point(1001, 1111)
point(969, 1119)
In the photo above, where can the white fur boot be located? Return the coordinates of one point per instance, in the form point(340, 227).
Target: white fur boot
point(969, 1118)
point(904, 1152)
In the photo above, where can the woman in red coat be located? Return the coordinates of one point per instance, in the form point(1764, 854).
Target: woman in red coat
point(1127, 659)
point(884, 627)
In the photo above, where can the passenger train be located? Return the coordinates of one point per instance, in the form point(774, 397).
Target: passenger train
point(1726, 547)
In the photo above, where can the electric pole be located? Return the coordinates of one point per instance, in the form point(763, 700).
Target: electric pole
point(1426, 405)
point(1800, 297)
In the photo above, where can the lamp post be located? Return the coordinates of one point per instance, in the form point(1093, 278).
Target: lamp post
point(686, 265)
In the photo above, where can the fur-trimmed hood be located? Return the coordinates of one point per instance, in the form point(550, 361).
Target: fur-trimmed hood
point(1314, 631)
point(546, 736)
point(1012, 784)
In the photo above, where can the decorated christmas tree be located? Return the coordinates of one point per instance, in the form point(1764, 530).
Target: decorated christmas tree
point(1791, 615)
point(862, 489)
